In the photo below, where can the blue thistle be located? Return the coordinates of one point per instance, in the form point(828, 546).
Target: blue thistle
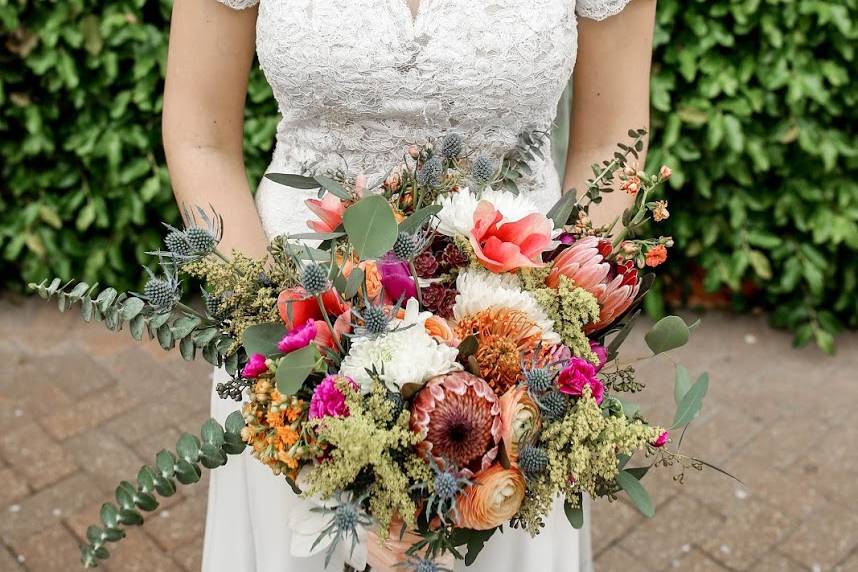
point(532, 460)
point(431, 174)
point(482, 170)
point(452, 146)
point(553, 405)
point(346, 517)
point(314, 279)
point(447, 485)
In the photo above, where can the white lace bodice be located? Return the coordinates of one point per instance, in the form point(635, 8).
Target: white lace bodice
point(357, 80)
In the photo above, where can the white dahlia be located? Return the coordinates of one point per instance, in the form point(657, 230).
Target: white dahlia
point(405, 355)
point(480, 290)
point(457, 209)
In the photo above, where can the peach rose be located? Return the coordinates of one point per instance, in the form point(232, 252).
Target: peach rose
point(372, 276)
point(503, 247)
point(436, 327)
point(493, 499)
point(519, 418)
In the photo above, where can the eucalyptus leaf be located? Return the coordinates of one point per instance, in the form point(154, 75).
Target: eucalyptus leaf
point(371, 227)
point(188, 447)
point(637, 493)
point(294, 368)
point(137, 326)
point(413, 223)
point(617, 341)
point(682, 383)
point(667, 334)
point(109, 515)
point(185, 325)
point(212, 433)
point(353, 283)
point(691, 402)
point(186, 472)
point(130, 308)
point(263, 338)
point(563, 208)
point(333, 187)
point(187, 349)
point(574, 514)
point(294, 181)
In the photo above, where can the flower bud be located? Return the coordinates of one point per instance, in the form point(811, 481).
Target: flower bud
point(665, 172)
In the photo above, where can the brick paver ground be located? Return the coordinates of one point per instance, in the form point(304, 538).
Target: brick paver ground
point(82, 408)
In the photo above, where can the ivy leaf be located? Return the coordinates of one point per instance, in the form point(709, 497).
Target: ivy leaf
point(371, 227)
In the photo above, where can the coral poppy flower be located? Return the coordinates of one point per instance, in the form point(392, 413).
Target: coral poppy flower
point(330, 211)
point(493, 499)
point(296, 306)
point(503, 247)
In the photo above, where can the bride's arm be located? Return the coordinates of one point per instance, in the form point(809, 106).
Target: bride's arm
point(211, 51)
point(610, 95)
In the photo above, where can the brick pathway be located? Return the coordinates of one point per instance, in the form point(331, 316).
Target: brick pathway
point(82, 408)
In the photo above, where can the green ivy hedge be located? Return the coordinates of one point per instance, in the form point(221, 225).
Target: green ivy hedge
point(83, 180)
point(754, 109)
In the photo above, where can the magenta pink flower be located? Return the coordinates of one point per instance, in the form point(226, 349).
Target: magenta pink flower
point(662, 439)
point(396, 278)
point(298, 338)
point(255, 366)
point(601, 355)
point(328, 400)
point(578, 374)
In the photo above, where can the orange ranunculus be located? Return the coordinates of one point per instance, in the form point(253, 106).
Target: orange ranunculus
point(330, 211)
point(503, 247)
point(436, 327)
point(493, 499)
point(656, 255)
point(296, 306)
point(519, 419)
point(371, 274)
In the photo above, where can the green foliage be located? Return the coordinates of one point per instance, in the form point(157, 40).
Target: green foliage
point(184, 466)
point(83, 180)
point(181, 327)
point(756, 110)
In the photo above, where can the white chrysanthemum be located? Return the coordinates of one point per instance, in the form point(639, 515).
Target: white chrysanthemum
point(457, 210)
point(480, 290)
point(407, 354)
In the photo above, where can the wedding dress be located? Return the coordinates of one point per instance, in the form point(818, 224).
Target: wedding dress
point(357, 80)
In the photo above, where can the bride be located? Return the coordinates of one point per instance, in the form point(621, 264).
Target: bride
point(357, 80)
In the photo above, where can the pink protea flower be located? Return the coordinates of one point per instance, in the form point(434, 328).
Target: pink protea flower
point(577, 375)
point(461, 418)
point(662, 440)
point(328, 400)
point(601, 355)
point(255, 367)
point(298, 338)
point(507, 246)
point(614, 285)
point(330, 211)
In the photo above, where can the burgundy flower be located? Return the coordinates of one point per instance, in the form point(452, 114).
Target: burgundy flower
point(454, 257)
point(426, 265)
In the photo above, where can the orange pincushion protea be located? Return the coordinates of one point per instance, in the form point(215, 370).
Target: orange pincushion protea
point(493, 499)
point(460, 416)
point(586, 264)
point(505, 337)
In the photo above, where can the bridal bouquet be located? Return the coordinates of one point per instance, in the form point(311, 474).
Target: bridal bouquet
point(435, 361)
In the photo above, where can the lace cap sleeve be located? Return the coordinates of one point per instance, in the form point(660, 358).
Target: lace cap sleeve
point(599, 9)
point(239, 4)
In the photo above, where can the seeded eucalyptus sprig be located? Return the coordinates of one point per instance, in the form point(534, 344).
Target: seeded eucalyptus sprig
point(179, 326)
point(516, 163)
point(184, 466)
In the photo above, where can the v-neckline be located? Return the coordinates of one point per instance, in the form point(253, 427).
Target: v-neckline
point(412, 15)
